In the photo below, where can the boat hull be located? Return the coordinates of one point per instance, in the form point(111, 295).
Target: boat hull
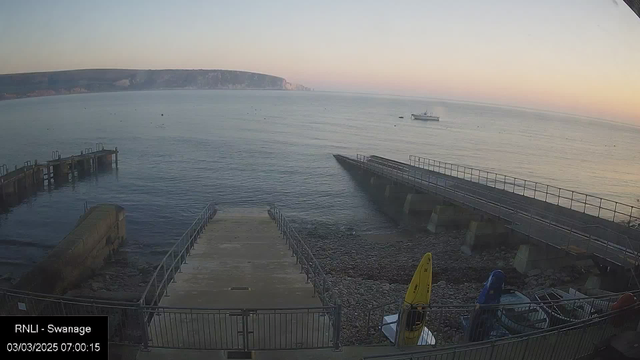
point(389, 330)
point(425, 117)
point(559, 310)
point(523, 316)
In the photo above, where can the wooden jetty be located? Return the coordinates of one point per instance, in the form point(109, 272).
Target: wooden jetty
point(58, 169)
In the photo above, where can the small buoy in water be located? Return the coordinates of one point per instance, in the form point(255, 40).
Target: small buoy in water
point(161, 114)
point(401, 117)
point(394, 125)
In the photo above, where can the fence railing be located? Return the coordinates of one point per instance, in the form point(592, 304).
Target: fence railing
point(311, 268)
point(242, 329)
point(145, 324)
point(528, 220)
point(571, 199)
point(455, 324)
point(175, 257)
point(571, 341)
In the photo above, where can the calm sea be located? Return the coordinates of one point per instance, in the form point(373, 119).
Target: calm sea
point(251, 148)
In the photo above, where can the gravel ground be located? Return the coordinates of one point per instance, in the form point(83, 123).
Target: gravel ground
point(369, 271)
point(121, 278)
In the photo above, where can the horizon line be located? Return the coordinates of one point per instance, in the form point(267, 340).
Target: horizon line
point(518, 107)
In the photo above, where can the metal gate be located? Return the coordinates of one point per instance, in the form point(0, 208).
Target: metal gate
point(241, 329)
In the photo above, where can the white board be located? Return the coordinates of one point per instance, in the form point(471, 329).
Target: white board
point(389, 330)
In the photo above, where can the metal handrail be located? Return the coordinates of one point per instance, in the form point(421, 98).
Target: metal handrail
point(176, 256)
point(500, 306)
point(539, 191)
point(441, 186)
point(459, 349)
point(311, 268)
point(567, 223)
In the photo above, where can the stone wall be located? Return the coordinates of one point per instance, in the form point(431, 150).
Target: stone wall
point(96, 236)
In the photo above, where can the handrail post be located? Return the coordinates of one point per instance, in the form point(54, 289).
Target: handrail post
point(337, 324)
point(546, 194)
point(571, 202)
point(144, 328)
point(599, 207)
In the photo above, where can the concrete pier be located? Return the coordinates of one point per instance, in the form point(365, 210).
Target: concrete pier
point(98, 233)
point(421, 203)
point(484, 234)
point(241, 262)
point(531, 257)
point(449, 217)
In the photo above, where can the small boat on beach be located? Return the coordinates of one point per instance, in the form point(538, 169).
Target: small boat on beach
point(488, 332)
point(412, 329)
point(601, 301)
point(562, 307)
point(521, 317)
point(426, 116)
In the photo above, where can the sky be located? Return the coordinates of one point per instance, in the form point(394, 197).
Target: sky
point(574, 56)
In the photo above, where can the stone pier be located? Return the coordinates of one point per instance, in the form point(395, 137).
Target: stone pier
point(96, 236)
point(531, 256)
point(449, 217)
point(482, 234)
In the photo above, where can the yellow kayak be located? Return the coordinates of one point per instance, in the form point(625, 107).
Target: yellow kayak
point(418, 293)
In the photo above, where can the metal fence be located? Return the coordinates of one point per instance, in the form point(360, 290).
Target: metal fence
point(539, 224)
point(456, 324)
point(145, 324)
point(565, 342)
point(170, 265)
point(311, 267)
point(571, 199)
point(243, 329)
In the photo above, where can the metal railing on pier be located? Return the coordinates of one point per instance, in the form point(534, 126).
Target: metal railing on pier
point(175, 257)
point(242, 329)
point(149, 325)
point(540, 224)
point(312, 269)
point(571, 199)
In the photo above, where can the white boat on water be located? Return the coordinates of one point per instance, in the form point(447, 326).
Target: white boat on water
point(425, 116)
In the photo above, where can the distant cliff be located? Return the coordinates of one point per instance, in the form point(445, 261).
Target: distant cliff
point(13, 86)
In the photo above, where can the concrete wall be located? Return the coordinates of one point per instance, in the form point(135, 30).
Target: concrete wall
point(97, 234)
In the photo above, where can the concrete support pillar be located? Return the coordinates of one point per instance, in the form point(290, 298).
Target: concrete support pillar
point(449, 217)
point(484, 234)
point(421, 203)
point(380, 181)
point(61, 170)
point(541, 257)
point(608, 282)
point(397, 193)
